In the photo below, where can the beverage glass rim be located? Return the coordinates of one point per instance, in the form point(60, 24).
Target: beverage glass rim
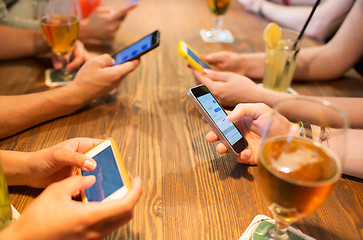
point(322, 102)
point(330, 180)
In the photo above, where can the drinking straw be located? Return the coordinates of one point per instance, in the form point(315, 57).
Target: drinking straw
point(287, 64)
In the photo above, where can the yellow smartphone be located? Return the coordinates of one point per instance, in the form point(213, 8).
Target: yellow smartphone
point(112, 181)
point(192, 57)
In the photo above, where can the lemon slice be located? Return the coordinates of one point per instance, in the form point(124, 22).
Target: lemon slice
point(272, 34)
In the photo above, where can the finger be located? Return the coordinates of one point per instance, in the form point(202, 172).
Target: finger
point(65, 157)
point(243, 110)
point(57, 64)
point(79, 55)
point(122, 69)
point(214, 58)
point(221, 149)
point(211, 137)
point(81, 145)
point(246, 156)
point(70, 186)
point(76, 63)
point(203, 79)
point(216, 76)
point(123, 206)
point(120, 15)
point(105, 60)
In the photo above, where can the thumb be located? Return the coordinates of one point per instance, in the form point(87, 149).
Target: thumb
point(74, 184)
point(105, 60)
point(70, 158)
point(213, 57)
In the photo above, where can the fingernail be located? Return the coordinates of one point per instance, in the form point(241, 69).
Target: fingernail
point(205, 72)
point(89, 164)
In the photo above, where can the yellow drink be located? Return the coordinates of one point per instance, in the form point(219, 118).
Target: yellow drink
point(5, 209)
point(280, 63)
point(61, 32)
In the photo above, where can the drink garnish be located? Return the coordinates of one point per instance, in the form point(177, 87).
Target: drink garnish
point(272, 34)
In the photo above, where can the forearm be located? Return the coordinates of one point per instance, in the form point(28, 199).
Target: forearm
point(252, 64)
point(16, 43)
point(21, 112)
point(14, 165)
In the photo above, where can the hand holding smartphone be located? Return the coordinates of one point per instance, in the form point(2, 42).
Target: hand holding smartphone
point(215, 116)
point(139, 48)
point(112, 181)
point(192, 57)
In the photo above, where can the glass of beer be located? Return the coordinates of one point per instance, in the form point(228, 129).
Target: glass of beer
point(217, 34)
point(303, 146)
point(59, 22)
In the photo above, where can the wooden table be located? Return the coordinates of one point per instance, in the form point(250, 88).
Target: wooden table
point(189, 190)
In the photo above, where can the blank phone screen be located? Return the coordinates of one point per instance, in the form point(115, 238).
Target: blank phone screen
point(134, 50)
point(108, 178)
point(217, 114)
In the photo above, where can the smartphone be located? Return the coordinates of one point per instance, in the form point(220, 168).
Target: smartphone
point(112, 181)
point(139, 48)
point(215, 116)
point(192, 57)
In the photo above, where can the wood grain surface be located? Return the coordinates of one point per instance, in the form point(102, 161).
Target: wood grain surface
point(189, 190)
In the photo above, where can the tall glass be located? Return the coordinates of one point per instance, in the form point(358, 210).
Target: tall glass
point(59, 23)
point(5, 208)
point(217, 34)
point(280, 62)
point(299, 167)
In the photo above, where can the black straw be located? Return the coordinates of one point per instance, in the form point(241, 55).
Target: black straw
point(306, 24)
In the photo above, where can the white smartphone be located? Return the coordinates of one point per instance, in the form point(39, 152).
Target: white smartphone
point(215, 116)
point(112, 181)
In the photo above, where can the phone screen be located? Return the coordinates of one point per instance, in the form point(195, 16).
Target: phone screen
point(218, 115)
point(133, 50)
point(197, 59)
point(108, 178)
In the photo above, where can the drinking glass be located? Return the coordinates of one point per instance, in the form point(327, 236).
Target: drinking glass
point(59, 22)
point(5, 208)
point(217, 34)
point(280, 62)
point(303, 145)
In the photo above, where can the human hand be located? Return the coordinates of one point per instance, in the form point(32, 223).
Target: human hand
point(253, 6)
point(103, 23)
point(79, 56)
point(98, 76)
point(251, 120)
point(41, 168)
point(229, 88)
point(225, 61)
point(54, 215)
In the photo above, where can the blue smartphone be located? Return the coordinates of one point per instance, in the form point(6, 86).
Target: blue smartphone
point(139, 48)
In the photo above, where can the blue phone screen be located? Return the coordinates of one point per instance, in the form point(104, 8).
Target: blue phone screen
point(108, 179)
point(197, 59)
point(217, 114)
point(134, 49)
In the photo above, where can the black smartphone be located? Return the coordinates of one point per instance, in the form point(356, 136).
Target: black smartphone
point(215, 116)
point(139, 48)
